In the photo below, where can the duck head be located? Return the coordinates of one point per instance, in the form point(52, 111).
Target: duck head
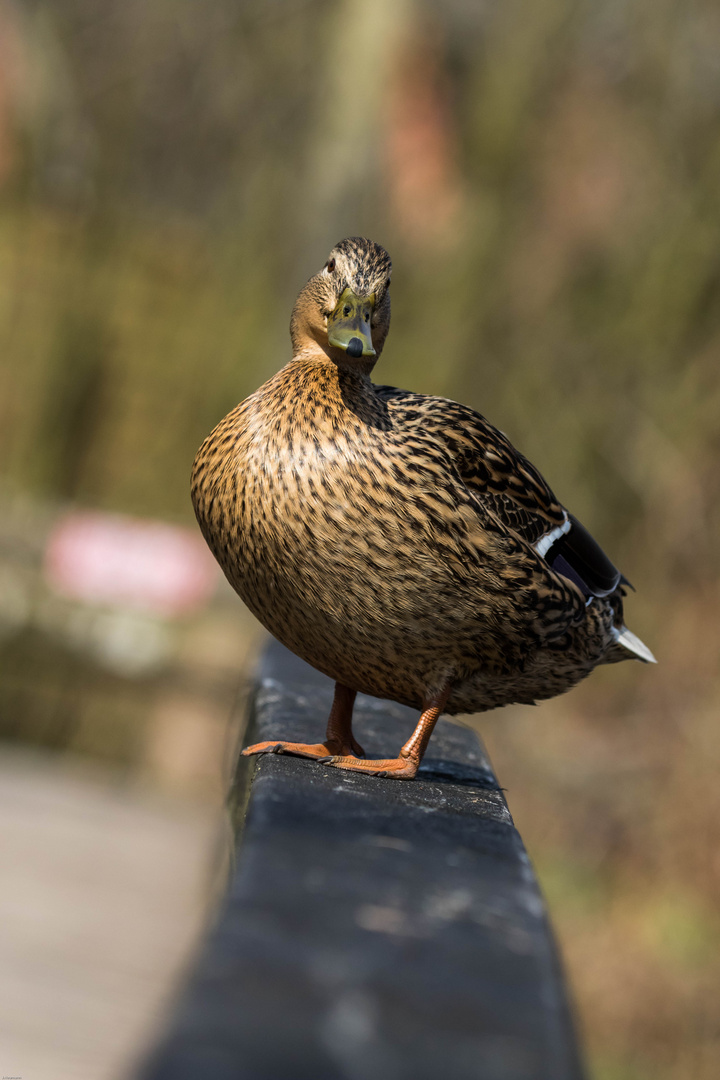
point(345, 308)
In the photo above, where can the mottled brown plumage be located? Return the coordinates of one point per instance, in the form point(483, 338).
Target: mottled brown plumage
point(397, 542)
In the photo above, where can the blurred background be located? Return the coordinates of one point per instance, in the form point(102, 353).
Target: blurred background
point(546, 177)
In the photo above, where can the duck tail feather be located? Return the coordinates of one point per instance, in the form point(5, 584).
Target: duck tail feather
point(630, 641)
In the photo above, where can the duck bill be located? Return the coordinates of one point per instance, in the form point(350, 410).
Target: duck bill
point(349, 325)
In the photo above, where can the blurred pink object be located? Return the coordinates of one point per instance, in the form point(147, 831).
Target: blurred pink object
point(149, 565)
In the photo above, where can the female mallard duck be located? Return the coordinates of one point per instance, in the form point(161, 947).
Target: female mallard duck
point(397, 542)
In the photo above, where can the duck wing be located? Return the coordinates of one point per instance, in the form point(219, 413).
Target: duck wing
point(509, 487)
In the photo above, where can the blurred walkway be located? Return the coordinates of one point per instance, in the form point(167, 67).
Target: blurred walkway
point(105, 889)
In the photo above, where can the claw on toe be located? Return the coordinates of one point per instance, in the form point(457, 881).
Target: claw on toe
point(263, 748)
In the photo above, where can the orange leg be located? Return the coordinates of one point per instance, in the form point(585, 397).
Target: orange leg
point(339, 739)
point(405, 765)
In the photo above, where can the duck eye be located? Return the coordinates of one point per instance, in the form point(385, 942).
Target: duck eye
point(330, 265)
point(387, 283)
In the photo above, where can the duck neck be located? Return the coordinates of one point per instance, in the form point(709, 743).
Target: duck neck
point(315, 372)
point(313, 353)
point(342, 391)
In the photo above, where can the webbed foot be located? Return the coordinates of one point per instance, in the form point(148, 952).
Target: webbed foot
point(317, 751)
point(399, 768)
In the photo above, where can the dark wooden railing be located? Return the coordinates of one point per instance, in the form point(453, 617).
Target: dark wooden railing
point(375, 929)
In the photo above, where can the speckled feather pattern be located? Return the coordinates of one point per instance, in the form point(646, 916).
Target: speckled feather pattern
point(386, 537)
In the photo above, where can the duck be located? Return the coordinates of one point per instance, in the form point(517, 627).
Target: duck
point(397, 541)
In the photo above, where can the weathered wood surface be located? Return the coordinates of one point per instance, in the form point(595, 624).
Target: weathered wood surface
point(375, 929)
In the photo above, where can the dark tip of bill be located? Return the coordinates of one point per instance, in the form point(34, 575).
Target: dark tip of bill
point(355, 347)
